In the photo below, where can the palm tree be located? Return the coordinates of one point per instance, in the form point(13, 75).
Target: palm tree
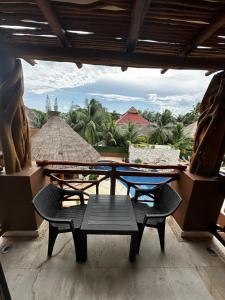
point(185, 145)
point(177, 132)
point(130, 134)
point(88, 121)
point(160, 134)
point(75, 120)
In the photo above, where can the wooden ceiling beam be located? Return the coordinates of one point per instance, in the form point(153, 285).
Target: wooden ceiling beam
point(54, 23)
point(6, 37)
point(203, 35)
point(138, 14)
point(111, 58)
point(30, 61)
point(210, 72)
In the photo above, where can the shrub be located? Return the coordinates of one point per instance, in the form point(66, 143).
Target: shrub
point(93, 177)
point(138, 161)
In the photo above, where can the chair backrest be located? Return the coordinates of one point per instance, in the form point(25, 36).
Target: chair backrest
point(48, 201)
point(166, 199)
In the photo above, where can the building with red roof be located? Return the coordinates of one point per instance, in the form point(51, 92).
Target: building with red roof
point(132, 116)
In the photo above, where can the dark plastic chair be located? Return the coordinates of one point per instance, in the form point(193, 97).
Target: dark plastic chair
point(164, 203)
point(48, 204)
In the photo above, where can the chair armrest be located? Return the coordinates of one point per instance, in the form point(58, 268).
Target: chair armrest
point(140, 190)
point(73, 193)
point(156, 215)
point(150, 216)
point(62, 221)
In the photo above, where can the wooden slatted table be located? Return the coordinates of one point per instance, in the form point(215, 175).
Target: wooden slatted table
point(107, 214)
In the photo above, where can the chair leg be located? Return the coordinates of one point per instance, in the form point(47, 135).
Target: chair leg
point(140, 233)
point(161, 232)
point(53, 232)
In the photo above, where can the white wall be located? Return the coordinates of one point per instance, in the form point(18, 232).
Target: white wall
point(158, 156)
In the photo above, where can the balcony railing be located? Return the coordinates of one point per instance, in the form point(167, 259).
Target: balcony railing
point(109, 170)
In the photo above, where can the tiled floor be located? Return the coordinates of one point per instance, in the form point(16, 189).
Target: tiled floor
point(187, 270)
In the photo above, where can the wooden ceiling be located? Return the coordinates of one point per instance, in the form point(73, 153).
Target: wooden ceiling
point(137, 33)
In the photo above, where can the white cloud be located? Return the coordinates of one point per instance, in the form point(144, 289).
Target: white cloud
point(176, 90)
point(177, 103)
point(115, 97)
point(49, 76)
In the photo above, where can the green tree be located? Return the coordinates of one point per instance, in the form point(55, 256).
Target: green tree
point(167, 117)
point(185, 145)
point(40, 118)
point(130, 134)
point(177, 132)
point(115, 115)
point(151, 116)
point(56, 105)
point(90, 121)
point(190, 117)
point(47, 104)
point(160, 134)
point(75, 119)
point(111, 135)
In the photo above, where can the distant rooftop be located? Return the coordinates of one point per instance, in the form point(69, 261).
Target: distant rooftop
point(132, 116)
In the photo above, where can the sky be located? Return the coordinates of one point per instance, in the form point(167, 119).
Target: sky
point(177, 90)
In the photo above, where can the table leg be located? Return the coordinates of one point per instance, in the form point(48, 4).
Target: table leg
point(83, 246)
point(133, 246)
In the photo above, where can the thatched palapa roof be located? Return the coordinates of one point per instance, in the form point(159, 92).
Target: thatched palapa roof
point(56, 140)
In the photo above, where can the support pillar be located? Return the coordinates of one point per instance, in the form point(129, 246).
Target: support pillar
point(14, 130)
point(202, 201)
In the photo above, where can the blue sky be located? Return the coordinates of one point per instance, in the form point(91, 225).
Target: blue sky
point(177, 90)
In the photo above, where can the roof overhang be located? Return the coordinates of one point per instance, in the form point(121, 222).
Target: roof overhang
point(140, 33)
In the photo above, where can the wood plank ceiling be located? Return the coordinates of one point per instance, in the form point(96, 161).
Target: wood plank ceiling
point(140, 33)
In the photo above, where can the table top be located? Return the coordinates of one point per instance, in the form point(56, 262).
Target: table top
point(106, 214)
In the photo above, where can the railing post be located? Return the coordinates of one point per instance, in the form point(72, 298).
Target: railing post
point(128, 189)
point(113, 181)
point(97, 188)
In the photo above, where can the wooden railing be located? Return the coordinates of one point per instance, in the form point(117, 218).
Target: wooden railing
point(141, 170)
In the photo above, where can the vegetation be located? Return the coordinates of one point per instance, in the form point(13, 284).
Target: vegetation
point(138, 161)
point(98, 126)
point(40, 118)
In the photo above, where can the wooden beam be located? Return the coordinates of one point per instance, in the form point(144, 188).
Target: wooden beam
point(30, 61)
point(210, 72)
point(53, 21)
point(111, 58)
point(138, 13)
point(203, 35)
point(6, 37)
point(163, 71)
point(79, 65)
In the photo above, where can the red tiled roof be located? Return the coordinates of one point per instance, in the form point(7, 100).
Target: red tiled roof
point(132, 116)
